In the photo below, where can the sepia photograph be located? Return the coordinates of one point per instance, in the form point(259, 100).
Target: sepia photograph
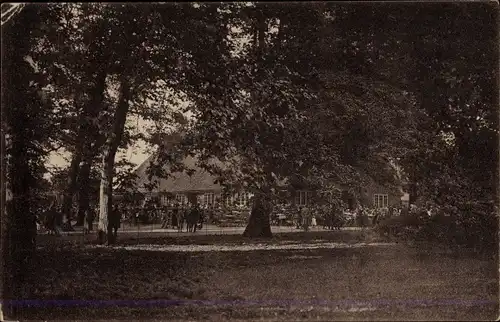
point(250, 161)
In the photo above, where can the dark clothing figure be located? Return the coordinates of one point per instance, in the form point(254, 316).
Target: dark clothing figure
point(114, 222)
point(135, 213)
point(181, 218)
point(202, 218)
point(165, 217)
point(89, 219)
point(299, 218)
point(192, 219)
point(51, 221)
point(175, 222)
point(360, 218)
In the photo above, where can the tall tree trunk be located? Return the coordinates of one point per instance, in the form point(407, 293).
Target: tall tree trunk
point(92, 148)
point(258, 224)
point(91, 110)
point(83, 192)
point(19, 240)
point(71, 184)
point(6, 199)
point(108, 162)
point(413, 192)
point(105, 198)
point(20, 111)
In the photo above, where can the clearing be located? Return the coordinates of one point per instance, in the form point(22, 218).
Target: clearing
point(341, 275)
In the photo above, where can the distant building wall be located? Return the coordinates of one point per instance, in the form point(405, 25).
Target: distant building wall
point(377, 196)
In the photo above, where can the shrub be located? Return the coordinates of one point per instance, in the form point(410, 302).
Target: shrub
point(405, 226)
point(470, 226)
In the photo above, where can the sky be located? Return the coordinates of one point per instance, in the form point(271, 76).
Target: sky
point(135, 154)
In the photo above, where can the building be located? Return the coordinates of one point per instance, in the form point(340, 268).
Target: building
point(182, 187)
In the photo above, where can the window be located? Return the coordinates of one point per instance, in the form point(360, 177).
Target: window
point(303, 198)
point(180, 198)
point(380, 200)
point(242, 199)
point(208, 198)
point(227, 200)
point(167, 199)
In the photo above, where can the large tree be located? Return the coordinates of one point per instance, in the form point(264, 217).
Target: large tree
point(29, 129)
point(272, 112)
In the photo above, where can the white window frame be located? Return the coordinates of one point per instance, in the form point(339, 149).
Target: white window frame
point(167, 199)
point(303, 197)
point(209, 198)
point(180, 198)
point(380, 200)
point(242, 199)
point(227, 200)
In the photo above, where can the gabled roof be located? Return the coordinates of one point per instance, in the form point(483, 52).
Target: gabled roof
point(200, 180)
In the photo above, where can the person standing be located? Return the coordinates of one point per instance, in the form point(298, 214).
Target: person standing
point(114, 222)
point(360, 216)
point(313, 217)
point(180, 217)
point(203, 214)
point(89, 219)
point(306, 215)
point(165, 215)
point(376, 217)
point(174, 213)
point(299, 217)
point(58, 218)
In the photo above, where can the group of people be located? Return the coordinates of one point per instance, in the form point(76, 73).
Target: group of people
point(334, 216)
point(378, 214)
point(192, 216)
point(172, 215)
point(330, 216)
point(50, 219)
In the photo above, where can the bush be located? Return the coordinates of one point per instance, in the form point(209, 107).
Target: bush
point(406, 226)
point(451, 225)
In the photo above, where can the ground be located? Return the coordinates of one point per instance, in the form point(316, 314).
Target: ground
point(343, 275)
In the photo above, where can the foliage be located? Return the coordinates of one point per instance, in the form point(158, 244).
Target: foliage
point(264, 127)
point(278, 94)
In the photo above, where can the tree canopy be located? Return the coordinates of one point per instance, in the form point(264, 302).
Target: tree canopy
point(301, 90)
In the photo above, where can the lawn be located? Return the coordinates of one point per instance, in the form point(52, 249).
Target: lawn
point(331, 280)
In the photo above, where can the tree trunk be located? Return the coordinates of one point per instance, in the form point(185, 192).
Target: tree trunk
point(6, 199)
point(92, 148)
point(105, 198)
point(108, 162)
point(90, 112)
point(19, 241)
point(258, 224)
point(83, 192)
point(20, 111)
point(71, 185)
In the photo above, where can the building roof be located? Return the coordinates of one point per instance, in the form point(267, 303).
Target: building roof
point(200, 180)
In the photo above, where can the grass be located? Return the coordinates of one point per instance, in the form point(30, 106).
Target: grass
point(368, 283)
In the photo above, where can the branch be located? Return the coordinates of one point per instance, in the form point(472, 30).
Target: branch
point(11, 12)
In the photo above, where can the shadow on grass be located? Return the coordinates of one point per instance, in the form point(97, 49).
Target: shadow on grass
point(68, 272)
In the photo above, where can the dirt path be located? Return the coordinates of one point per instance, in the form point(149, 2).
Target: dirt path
point(128, 233)
point(246, 248)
